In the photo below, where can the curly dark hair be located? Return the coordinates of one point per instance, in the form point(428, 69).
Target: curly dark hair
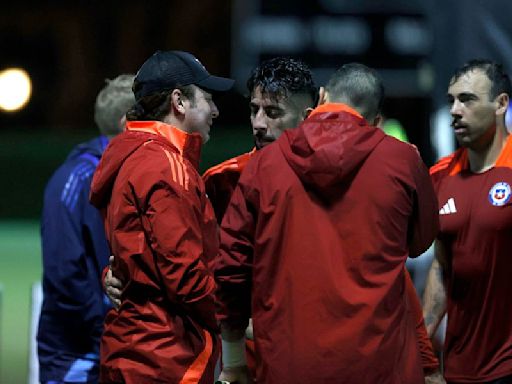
point(281, 76)
point(157, 105)
point(500, 81)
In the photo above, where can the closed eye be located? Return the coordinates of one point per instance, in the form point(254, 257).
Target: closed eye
point(273, 112)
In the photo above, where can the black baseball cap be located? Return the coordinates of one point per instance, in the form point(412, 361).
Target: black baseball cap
point(171, 69)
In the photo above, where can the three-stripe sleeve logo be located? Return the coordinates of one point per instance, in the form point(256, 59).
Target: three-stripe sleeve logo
point(449, 207)
point(74, 184)
point(179, 169)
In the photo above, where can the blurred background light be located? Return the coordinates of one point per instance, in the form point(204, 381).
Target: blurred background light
point(408, 36)
point(508, 118)
point(278, 35)
point(342, 35)
point(15, 89)
point(394, 128)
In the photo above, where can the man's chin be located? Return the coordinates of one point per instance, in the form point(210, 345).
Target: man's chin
point(259, 144)
point(463, 141)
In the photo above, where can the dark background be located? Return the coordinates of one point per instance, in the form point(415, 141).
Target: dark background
point(70, 47)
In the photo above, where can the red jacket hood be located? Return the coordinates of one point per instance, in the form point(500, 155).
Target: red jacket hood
point(122, 146)
point(329, 145)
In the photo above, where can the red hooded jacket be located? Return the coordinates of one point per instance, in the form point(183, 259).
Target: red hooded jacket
point(313, 246)
point(220, 181)
point(162, 229)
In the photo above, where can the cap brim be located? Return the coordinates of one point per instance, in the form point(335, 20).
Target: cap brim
point(215, 83)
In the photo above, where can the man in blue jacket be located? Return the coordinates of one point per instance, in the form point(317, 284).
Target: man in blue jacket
point(75, 251)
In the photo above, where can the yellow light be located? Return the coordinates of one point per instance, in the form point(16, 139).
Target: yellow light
point(15, 89)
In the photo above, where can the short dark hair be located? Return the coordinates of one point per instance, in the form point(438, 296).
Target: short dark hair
point(157, 105)
point(500, 82)
point(358, 86)
point(282, 76)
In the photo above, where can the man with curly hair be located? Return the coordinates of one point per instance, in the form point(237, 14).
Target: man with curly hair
point(281, 91)
point(314, 242)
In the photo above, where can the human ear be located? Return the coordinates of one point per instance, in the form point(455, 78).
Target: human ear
point(177, 101)
point(323, 96)
point(502, 99)
point(306, 113)
point(378, 121)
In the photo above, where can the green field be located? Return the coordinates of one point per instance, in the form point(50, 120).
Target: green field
point(20, 267)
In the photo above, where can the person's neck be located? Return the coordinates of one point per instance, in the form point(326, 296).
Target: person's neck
point(480, 160)
point(172, 120)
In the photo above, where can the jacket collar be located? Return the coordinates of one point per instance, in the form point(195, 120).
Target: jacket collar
point(334, 108)
point(187, 144)
point(461, 161)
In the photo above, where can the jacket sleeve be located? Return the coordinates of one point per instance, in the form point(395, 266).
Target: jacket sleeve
point(175, 220)
point(429, 361)
point(233, 267)
point(218, 197)
point(219, 188)
point(424, 223)
point(74, 251)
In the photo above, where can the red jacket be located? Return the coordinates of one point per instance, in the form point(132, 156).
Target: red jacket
point(220, 181)
point(313, 246)
point(161, 227)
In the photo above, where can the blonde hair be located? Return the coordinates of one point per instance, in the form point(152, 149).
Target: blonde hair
point(112, 103)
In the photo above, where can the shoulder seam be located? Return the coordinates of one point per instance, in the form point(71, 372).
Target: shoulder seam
point(442, 164)
point(227, 164)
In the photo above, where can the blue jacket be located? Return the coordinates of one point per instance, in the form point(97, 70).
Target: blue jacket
point(75, 251)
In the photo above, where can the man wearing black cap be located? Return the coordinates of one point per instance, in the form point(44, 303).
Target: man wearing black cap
point(161, 227)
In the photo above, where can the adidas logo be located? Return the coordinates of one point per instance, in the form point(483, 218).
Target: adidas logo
point(449, 207)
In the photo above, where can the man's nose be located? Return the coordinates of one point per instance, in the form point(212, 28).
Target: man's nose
point(455, 109)
point(215, 111)
point(259, 122)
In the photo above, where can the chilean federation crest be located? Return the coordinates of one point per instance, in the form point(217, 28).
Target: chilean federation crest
point(499, 194)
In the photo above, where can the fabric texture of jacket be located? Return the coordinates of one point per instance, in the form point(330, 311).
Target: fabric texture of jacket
point(220, 182)
point(75, 251)
point(313, 247)
point(162, 230)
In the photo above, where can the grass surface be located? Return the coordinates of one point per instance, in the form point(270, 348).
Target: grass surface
point(20, 267)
